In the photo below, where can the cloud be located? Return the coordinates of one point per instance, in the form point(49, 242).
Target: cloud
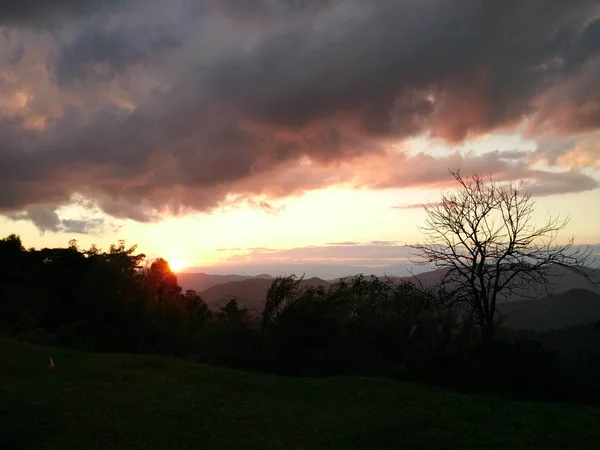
point(330, 252)
point(547, 183)
point(420, 170)
point(370, 254)
point(267, 207)
point(415, 205)
point(581, 156)
point(46, 219)
point(81, 226)
point(261, 10)
point(104, 53)
point(578, 151)
point(148, 109)
point(327, 261)
point(571, 106)
point(38, 13)
point(112, 44)
point(375, 62)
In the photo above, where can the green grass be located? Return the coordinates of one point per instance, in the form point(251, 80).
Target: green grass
point(125, 401)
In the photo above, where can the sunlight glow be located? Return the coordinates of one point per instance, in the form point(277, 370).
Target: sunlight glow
point(177, 264)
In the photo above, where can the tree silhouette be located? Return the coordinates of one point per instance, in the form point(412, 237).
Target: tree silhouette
point(232, 314)
point(282, 291)
point(484, 237)
point(161, 280)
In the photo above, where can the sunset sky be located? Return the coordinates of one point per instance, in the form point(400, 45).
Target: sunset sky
point(227, 133)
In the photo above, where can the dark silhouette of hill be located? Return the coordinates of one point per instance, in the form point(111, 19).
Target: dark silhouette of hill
point(202, 281)
point(573, 307)
point(574, 340)
point(251, 290)
point(249, 293)
point(561, 280)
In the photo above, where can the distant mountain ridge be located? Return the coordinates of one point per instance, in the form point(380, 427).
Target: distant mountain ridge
point(570, 308)
point(250, 291)
point(202, 281)
point(312, 269)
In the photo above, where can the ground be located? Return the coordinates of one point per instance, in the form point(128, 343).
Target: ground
point(126, 401)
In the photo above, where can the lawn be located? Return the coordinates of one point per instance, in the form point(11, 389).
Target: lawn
point(126, 401)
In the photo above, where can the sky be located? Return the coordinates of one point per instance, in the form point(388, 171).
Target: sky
point(225, 134)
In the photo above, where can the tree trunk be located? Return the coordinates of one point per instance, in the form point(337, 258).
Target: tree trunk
point(489, 331)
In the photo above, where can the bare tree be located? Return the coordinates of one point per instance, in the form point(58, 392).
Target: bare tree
point(484, 237)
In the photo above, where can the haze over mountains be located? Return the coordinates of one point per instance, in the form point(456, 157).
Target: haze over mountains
point(316, 269)
point(330, 261)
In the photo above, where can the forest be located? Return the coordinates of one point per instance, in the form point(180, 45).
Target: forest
point(115, 301)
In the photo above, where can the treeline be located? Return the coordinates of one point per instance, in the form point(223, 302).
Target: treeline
point(111, 301)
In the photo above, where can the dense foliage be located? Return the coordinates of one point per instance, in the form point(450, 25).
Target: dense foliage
point(111, 301)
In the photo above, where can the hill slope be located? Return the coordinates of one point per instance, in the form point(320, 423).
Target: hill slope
point(574, 307)
point(126, 401)
point(560, 280)
point(202, 281)
point(250, 293)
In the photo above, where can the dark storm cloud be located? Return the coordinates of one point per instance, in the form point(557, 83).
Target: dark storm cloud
point(134, 166)
point(13, 135)
point(236, 107)
point(463, 66)
point(265, 9)
point(586, 45)
point(116, 49)
point(36, 12)
point(14, 55)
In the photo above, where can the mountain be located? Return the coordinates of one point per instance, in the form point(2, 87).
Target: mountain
point(573, 307)
point(560, 280)
point(250, 293)
point(251, 290)
point(310, 269)
point(563, 280)
point(202, 281)
point(326, 271)
point(573, 341)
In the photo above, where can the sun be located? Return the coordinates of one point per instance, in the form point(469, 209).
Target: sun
point(177, 264)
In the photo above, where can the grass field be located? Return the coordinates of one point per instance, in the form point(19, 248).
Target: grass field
point(125, 401)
